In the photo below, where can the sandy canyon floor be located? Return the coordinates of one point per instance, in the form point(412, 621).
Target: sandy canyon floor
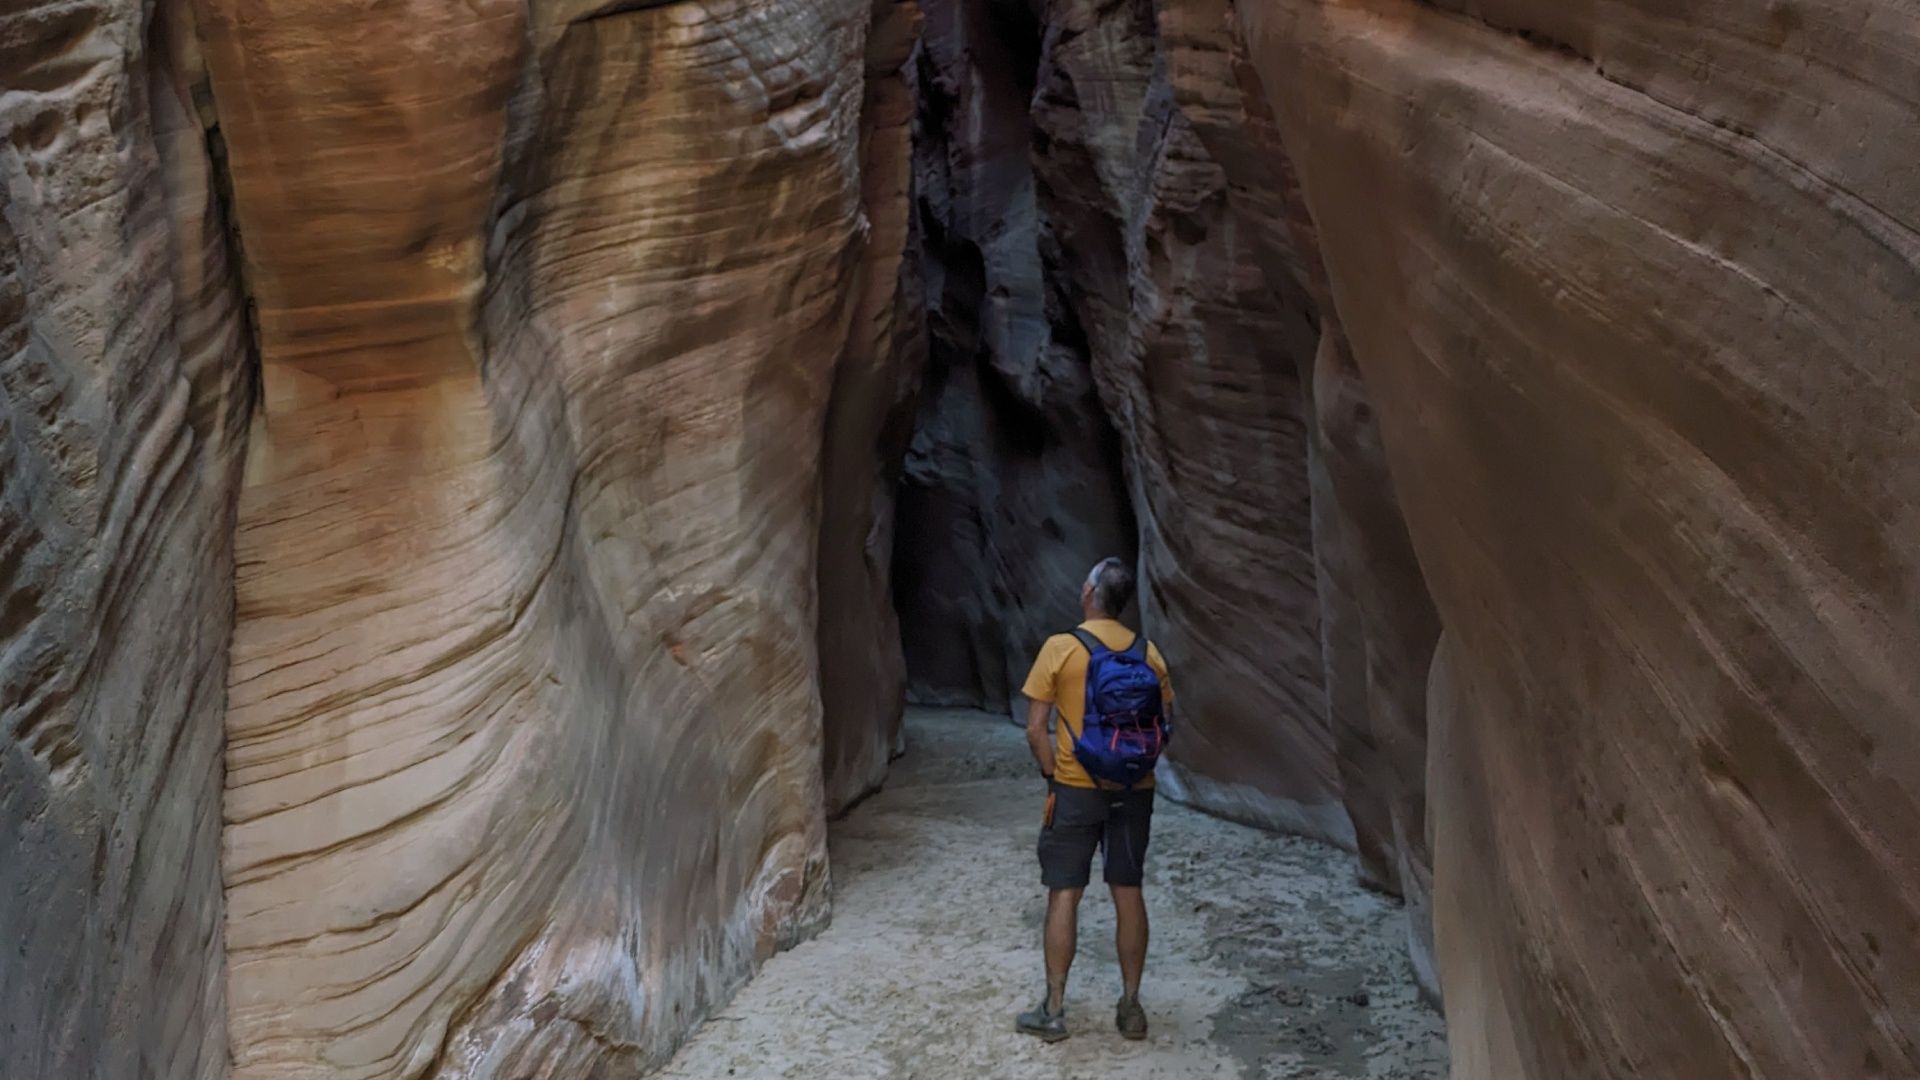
point(1267, 960)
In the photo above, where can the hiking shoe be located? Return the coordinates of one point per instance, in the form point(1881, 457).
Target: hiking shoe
point(1041, 1024)
point(1130, 1018)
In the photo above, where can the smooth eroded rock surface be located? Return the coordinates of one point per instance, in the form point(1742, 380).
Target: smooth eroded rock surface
point(524, 756)
point(1631, 288)
point(518, 663)
point(1377, 623)
point(862, 670)
point(1203, 361)
point(448, 452)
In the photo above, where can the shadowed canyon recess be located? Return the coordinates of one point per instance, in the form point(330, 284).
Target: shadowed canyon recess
point(480, 481)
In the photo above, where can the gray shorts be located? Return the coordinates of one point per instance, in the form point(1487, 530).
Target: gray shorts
point(1121, 822)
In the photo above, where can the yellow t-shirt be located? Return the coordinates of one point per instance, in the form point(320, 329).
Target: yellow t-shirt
point(1059, 677)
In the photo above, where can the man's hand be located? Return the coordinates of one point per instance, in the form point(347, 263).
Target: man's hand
point(1037, 740)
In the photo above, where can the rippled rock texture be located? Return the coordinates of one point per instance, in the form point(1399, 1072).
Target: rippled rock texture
point(1631, 290)
point(1558, 360)
point(1377, 624)
point(522, 708)
point(124, 392)
point(1168, 244)
point(446, 452)
point(1203, 363)
point(526, 599)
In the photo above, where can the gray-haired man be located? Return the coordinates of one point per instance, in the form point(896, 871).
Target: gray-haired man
point(1083, 813)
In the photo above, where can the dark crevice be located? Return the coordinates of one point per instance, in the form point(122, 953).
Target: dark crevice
point(1013, 484)
point(623, 7)
point(1014, 24)
point(225, 209)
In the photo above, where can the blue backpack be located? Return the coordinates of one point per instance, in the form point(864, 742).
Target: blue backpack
point(1125, 727)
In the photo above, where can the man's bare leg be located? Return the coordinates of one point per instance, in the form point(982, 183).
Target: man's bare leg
point(1062, 935)
point(1130, 934)
point(1130, 941)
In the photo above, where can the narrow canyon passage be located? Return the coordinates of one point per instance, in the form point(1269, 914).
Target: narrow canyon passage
point(1267, 959)
point(480, 484)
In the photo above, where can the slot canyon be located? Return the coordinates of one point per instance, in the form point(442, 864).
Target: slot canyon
point(482, 482)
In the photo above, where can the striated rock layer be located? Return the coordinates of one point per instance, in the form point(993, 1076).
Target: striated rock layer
point(1275, 567)
point(1585, 332)
point(1631, 291)
point(124, 391)
point(509, 629)
point(1377, 623)
point(1203, 363)
point(1012, 486)
point(524, 745)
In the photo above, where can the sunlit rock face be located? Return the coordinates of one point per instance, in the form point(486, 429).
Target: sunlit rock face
point(1012, 485)
point(1631, 292)
point(124, 390)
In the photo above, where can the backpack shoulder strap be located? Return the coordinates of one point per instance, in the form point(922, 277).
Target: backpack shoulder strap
point(1093, 645)
point(1139, 646)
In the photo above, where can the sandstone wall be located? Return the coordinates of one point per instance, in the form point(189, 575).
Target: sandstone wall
point(524, 750)
point(522, 708)
point(1377, 622)
point(1204, 363)
point(124, 391)
point(1535, 377)
point(1274, 564)
point(862, 669)
point(1012, 487)
point(1630, 287)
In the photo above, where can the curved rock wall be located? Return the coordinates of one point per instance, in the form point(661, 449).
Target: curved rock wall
point(1630, 287)
point(862, 669)
point(522, 702)
point(1204, 365)
point(1172, 242)
point(1532, 377)
point(1378, 626)
point(527, 569)
point(124, 391)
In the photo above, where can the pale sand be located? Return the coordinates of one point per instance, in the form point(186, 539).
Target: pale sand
point(1268, 960)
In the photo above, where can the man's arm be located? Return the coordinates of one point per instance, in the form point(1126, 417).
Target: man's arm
point(1039, 689)
point(1037, 738)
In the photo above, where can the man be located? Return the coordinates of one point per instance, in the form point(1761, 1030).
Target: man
point(1083, 813)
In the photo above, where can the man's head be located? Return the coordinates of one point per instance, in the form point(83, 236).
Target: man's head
point(1109, 589)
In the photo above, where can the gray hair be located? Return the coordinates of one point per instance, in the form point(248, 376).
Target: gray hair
point(1112, 585)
